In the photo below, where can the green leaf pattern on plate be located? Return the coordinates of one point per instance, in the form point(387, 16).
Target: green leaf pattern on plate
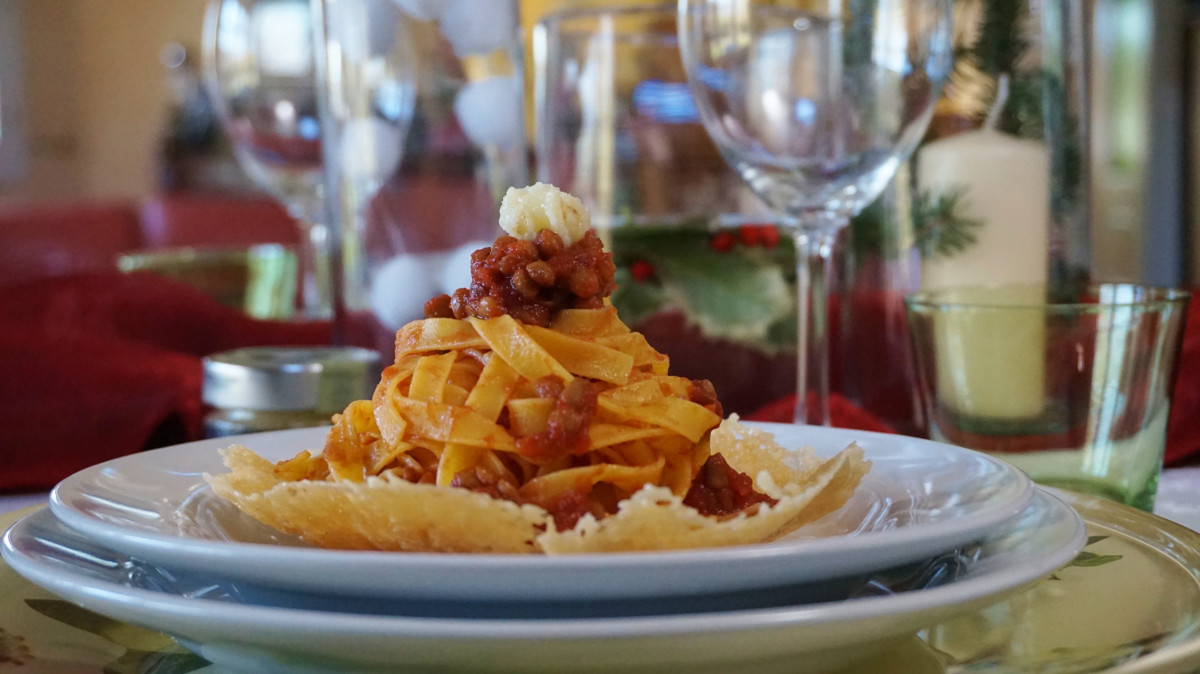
point(146, 652)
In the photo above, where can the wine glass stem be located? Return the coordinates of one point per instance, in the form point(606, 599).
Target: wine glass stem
point(814, 255)
point(313, 262)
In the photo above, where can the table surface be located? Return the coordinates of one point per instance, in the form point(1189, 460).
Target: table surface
point(1179, 496)
point(17, 501)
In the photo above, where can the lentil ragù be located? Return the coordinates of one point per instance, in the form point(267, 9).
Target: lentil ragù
point(531, 280)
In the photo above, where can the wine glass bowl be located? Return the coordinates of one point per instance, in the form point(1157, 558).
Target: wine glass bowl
point(815, 110)
point(260, 67)
point(808, 116)
point(289, 167)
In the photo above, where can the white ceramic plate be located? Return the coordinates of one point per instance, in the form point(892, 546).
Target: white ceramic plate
point(919, 499)
point(822, 636)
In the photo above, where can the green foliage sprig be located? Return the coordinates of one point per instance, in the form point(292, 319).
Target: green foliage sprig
point(939, 228)
point(1087, 559)
point(1036, 108)
point(1001, 40)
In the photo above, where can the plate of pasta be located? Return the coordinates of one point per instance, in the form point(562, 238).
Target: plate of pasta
point(526, 444)
point(919, 499)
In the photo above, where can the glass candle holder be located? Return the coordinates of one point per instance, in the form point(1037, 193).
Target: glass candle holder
point(1074, 391)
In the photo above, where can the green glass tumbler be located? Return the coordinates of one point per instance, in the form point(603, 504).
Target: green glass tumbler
point(1074, 391)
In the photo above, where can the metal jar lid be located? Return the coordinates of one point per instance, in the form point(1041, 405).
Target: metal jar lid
point(322, 379)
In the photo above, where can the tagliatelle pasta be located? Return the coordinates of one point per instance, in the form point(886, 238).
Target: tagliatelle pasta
point(463, 395)
point(561, 433)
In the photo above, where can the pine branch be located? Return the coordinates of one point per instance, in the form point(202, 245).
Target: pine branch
point(938, 228)
point(1001, 38)
point(1037, 108)
point(869, 230)
point(1024, 113)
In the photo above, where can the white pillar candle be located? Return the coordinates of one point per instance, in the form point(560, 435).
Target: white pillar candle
point(991, 360)
point(992, 364)
point(1005, 185)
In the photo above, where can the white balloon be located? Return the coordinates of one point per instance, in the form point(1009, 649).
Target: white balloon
point(401, 287)
point(478, 26)
point(362, 28)
point(370, 149)
point(490, 112)
point(456, 268)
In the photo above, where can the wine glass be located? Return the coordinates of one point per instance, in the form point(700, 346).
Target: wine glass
point(260, 67)
point(368, 75)
point(424, 130)
point(815, 105)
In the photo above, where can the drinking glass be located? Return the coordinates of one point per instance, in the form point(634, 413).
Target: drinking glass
point(1073, 389)
point(702, 270)
point(260, 68)
point(815, 105)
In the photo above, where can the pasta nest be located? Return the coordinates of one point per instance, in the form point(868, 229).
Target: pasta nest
point(456, 452)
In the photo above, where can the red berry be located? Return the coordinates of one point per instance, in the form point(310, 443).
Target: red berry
point(751, 235)
point(722, 242)
point(770, 236)
point(641, 271)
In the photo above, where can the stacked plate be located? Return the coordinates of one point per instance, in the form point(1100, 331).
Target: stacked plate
point(933, 531)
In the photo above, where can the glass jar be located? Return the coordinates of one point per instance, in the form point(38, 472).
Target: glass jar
point(272, 388)
point(702, 270)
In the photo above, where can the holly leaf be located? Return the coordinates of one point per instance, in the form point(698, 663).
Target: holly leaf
point(728, 295)
point(782, 333)
point(739, 293)
point(636, 300)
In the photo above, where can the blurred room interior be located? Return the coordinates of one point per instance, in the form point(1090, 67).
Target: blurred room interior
point(101, 107)
point(103, 115)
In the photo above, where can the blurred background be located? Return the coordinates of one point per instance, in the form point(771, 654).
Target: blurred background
point(102, 103)
point(111, 150)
